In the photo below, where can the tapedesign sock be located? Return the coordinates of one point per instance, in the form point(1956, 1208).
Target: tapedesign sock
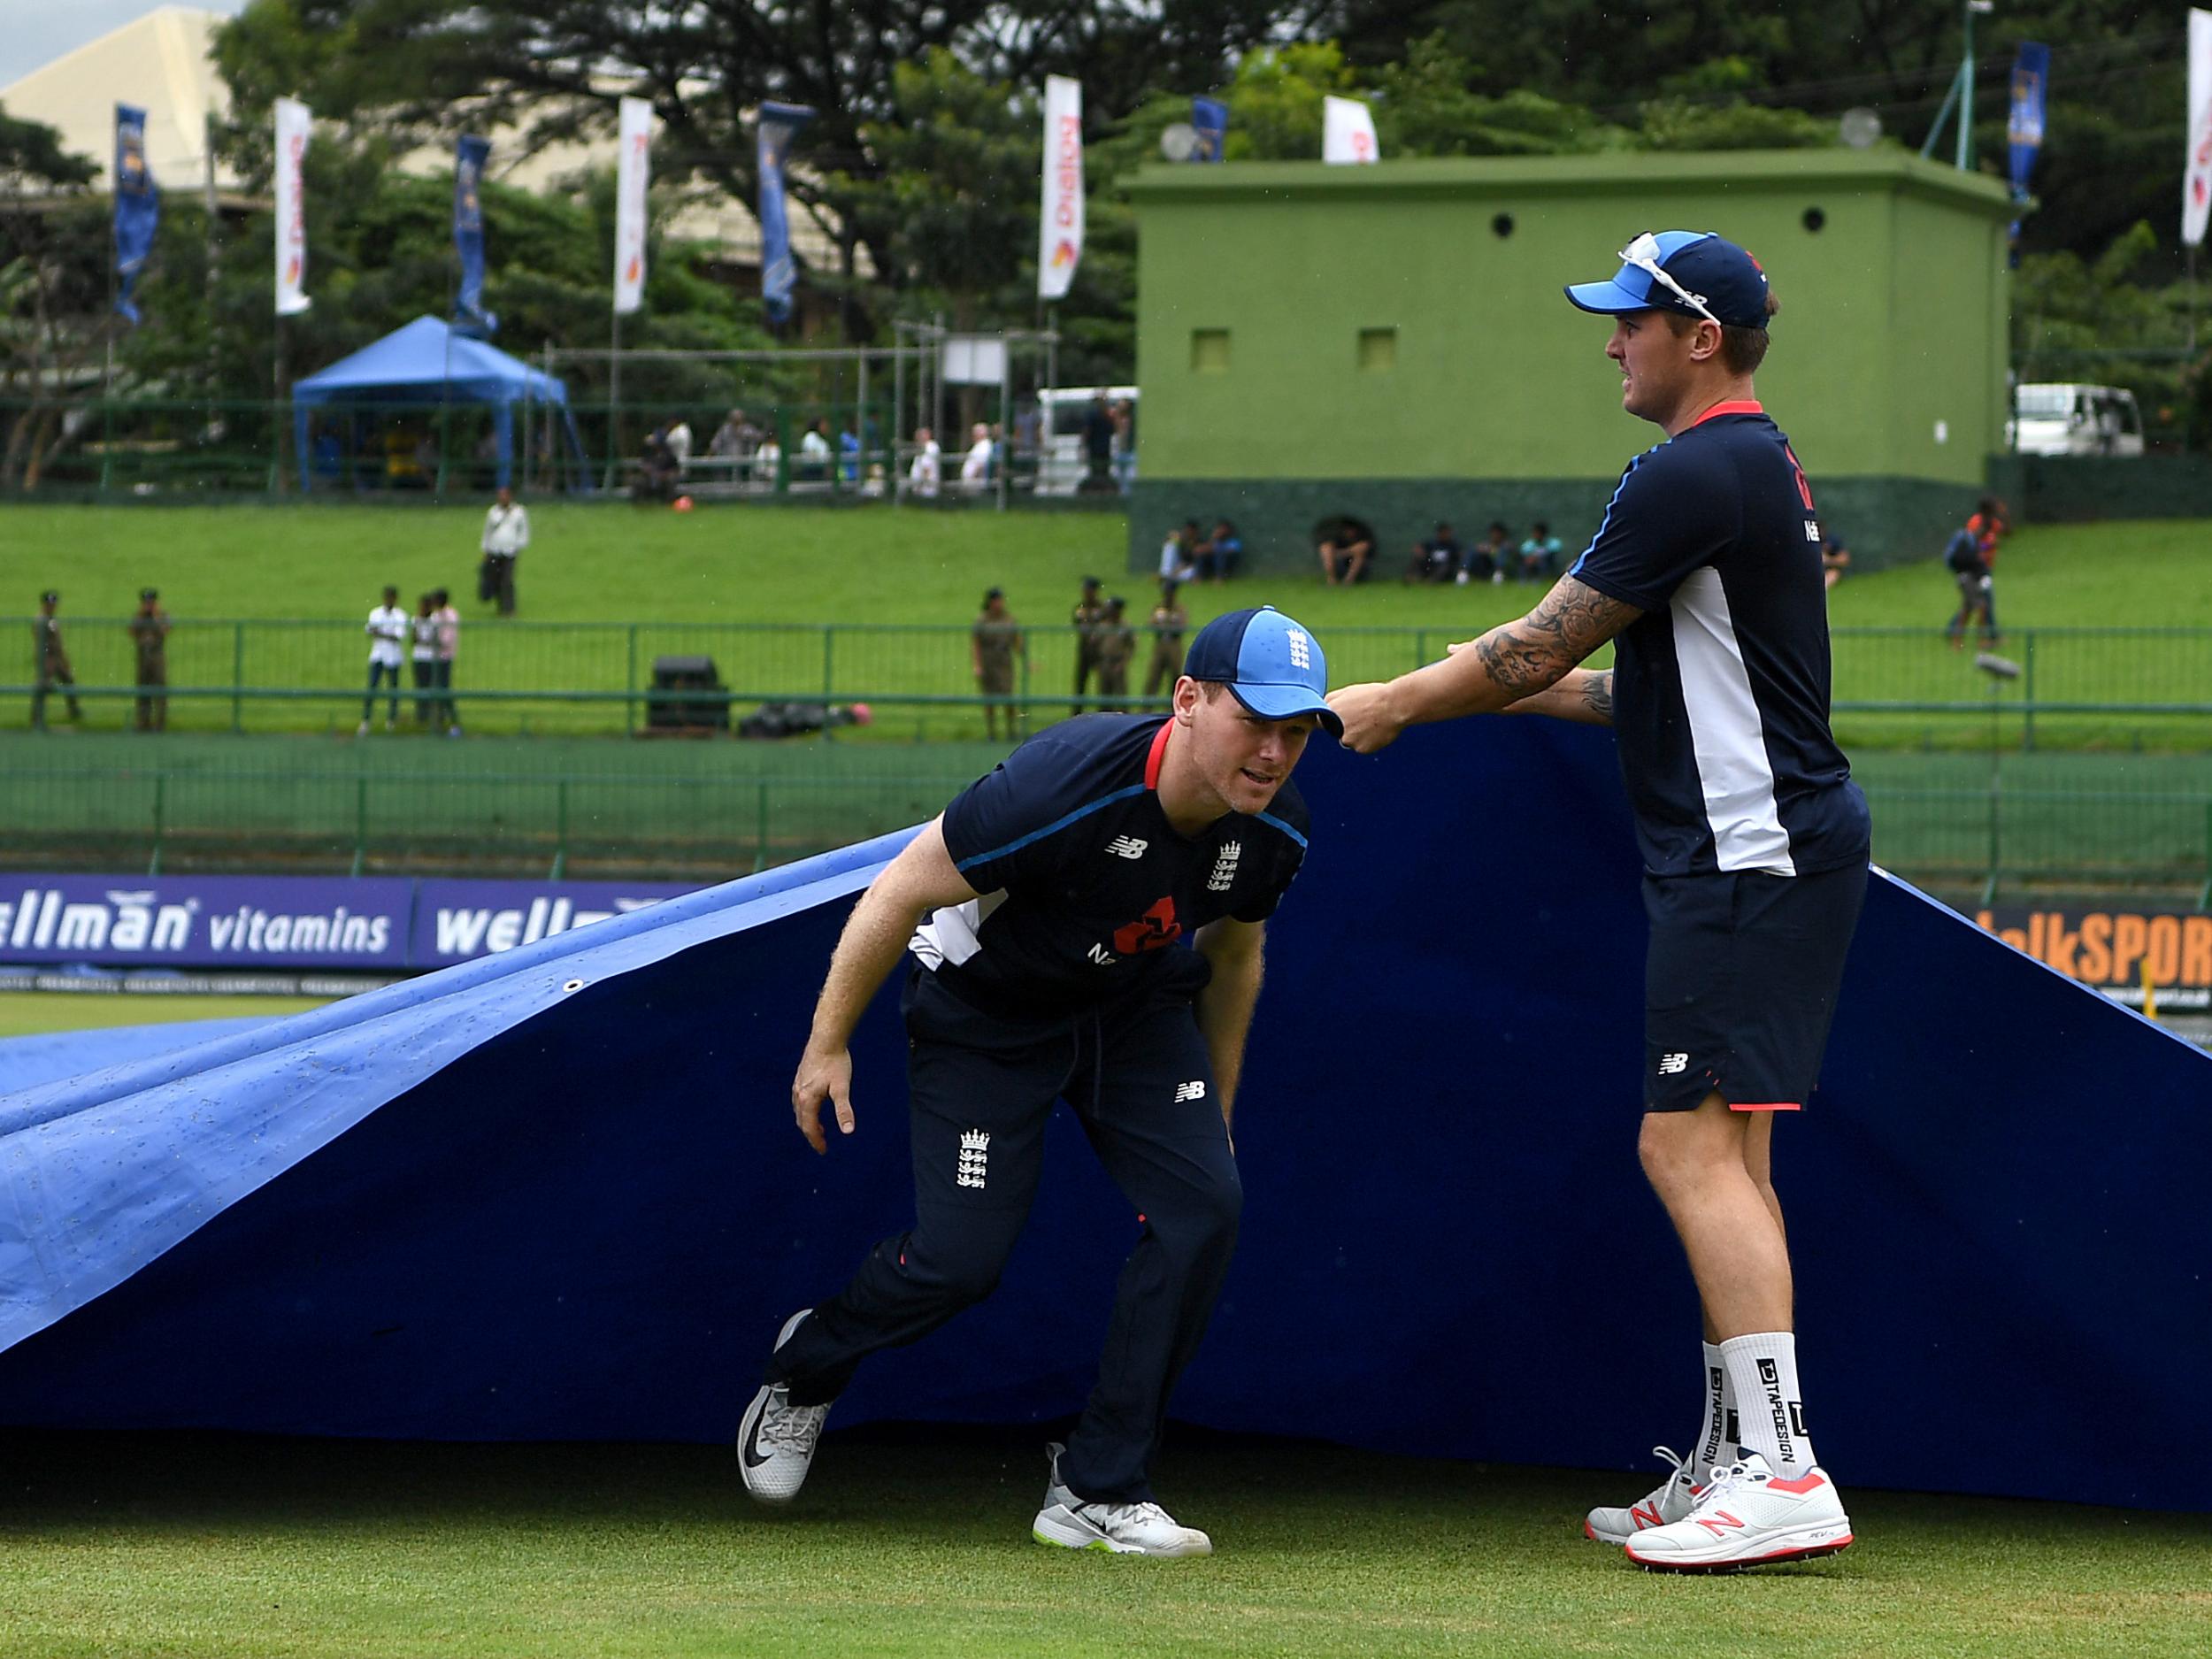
point(1762, 1370)
point(1716, 1435)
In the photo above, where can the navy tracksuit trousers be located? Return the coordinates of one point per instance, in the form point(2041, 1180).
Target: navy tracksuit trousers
point(1138, 1079)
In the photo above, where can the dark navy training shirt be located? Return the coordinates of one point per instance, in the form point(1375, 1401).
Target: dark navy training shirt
point(1087, 889)
point(1720, 689)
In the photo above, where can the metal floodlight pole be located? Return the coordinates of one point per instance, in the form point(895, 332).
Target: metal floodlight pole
point(1966, 88)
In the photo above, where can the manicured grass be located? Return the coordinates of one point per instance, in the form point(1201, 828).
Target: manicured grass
point(29, 1013)
point(917, 1545)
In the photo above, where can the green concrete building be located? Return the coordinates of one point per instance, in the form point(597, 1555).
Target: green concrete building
point(1391, 341)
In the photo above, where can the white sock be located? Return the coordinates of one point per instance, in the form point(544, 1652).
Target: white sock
point(1716, 1435)
point(1762, 1370)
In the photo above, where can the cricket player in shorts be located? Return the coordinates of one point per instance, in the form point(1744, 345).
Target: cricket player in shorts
point(1085, 924)
point(1706, 571)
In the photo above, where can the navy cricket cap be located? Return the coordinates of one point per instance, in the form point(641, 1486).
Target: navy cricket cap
point(1270, 663)
point(1691, 272)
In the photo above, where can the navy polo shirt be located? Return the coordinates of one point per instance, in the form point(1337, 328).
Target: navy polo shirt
point(1088, 893)
point(1720, 689)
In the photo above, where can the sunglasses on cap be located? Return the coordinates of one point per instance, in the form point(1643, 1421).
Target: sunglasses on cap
point(1643, 253)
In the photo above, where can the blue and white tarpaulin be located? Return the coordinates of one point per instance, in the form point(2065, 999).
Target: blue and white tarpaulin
point(1210, 119)
point(555, 1193)
point(137, 206)
point(469, 156)
point(777, 126)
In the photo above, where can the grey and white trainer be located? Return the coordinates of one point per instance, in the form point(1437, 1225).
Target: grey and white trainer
point(1067, 1522)
point(775, 1442)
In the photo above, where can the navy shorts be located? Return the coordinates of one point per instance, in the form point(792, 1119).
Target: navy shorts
point(1740, 982)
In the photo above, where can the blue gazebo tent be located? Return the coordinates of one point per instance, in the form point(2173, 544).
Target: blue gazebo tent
point(429, 362)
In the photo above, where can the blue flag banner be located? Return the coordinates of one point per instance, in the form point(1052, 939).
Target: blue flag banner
point(1210, 119)
point(778, 125)
point(468, 237)
point(2030, 77)
point(137, 205)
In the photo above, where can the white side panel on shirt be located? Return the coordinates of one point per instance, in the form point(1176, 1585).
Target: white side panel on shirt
point(954, 933)
point(1732, 768)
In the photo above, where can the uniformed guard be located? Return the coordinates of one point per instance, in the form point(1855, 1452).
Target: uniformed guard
point(1117, 644)
point(50, 661)
point(993, 646)
point(1167, 622)
point(149, 644)
point(1088, 613)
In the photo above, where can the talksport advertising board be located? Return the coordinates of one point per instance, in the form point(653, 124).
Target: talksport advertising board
point(358, 922)
point(2113, 947)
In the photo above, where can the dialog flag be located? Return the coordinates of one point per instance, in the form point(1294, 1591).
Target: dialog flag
point(1348, 131)
point(137, 206)
point(1210, 119)
point(2196, 184)
point(294, 119)
point(1060, 218)
point(631, 178)
point(777, 125)
point(468, 237)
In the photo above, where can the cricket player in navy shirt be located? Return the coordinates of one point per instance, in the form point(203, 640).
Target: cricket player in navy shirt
point(1085, 923)
point(1706, 571)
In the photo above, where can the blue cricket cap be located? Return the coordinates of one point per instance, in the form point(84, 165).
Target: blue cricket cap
point(1691, 272)
point(1270, 663)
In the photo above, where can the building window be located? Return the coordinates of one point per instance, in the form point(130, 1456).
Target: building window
point(1377, 350)
point(1210, 351)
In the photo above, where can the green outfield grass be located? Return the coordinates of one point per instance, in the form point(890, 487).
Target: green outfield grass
point(917, 1545)
point(29, 1013)
point(886, 565)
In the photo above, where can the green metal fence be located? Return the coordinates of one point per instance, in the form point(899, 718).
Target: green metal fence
point(1892, 685)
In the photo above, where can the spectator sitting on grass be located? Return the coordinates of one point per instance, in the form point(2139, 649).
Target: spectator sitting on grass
point(1346, 547)
point(1540, 554)
point(1492, 557)
point(1835, 559)
point(1435, 559)
point(1179, 552)
point(1219, 553)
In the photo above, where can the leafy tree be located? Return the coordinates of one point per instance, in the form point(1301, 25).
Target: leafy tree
point(55, 319)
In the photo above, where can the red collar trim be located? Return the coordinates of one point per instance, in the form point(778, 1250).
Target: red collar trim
point(1158, 753)
point(1741, 406)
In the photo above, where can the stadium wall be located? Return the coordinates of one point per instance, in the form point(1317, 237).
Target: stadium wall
point(556, 1194)
point(2090, 488)
point(1391, 341)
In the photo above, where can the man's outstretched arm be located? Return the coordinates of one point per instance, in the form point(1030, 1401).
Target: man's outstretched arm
point(1584, 696)
point(920, 880)
point(1515, 660)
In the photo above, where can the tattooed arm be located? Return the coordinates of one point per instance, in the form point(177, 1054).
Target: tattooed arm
point(1585, 694)
point(1515, 660)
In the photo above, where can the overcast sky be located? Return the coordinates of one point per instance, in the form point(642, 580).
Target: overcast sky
point(36, 31)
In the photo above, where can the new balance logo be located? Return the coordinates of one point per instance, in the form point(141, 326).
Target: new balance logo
point(1101, 957)
point(1301, 656)
point(1812, 531)
point(1718, 1522)
point(975, 1153)
point(1127, 847)
point(1646, 1515)
point(1671, 1064)
point(1190, 1091)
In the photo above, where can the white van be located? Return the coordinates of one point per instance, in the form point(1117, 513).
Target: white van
point(1064, 408)
point(2062, 418)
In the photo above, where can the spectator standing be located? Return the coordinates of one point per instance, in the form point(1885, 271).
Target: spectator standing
point(849, 453)
point(768, 462)
point(1117, 644)
point(1437, 558)
point(994, 645)
point(679, 444)
point(1098, 448)
point(51, 661)
point(1168, 621)
point(814, 451)
point(975, 466)
point(149, 649)
point(927, 474)
point(387, 630)
point(506, 534)
point(422, 630)
point(1541, 553)
point(1179, 552)
point(1988, 522)
point(1967, 557)
point(1124, 447)
point(449, 647)
point(1085, 620)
